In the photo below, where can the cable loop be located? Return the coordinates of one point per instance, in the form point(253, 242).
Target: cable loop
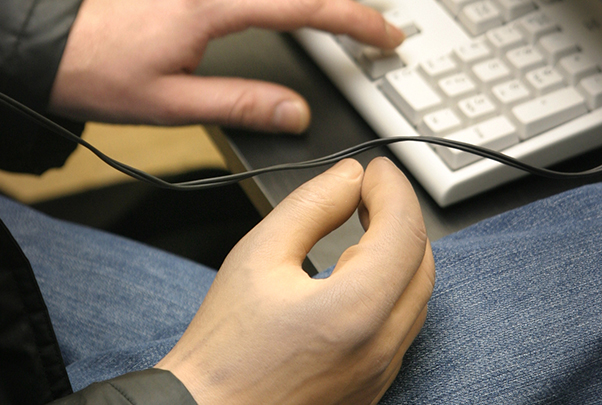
point(322, 161)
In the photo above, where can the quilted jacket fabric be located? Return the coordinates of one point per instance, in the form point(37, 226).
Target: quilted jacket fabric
point(33, 35)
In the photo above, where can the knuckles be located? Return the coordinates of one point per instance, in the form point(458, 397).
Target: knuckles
point(244, 111)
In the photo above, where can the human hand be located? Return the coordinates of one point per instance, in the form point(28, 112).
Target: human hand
point(269, 334)
point(132, 61)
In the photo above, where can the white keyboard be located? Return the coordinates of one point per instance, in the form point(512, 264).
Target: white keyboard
point(523, 77)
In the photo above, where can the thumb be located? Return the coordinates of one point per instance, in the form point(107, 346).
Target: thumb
point(309, 213)
point(233, 102)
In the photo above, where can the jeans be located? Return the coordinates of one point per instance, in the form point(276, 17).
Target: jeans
point(516, 314)
point(515, 317)
point(116, 305)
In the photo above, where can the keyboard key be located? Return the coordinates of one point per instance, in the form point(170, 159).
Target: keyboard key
point(480, 16)
point(591, 89)
point(577, 66)
point(457, 86)
point(537, 25)
point(504, 38)
point(377, 62)
point(351, 46)
point(556, 46)
point(411, 94)
point(477, 108)
point(401, 19)
point(544, 80)
point(491, 72)
point(510, 93)
point(440, 123)
point(455, 6)
point(467, 55)
point(524, 59)
point(513, 9)
point(436, 68)
point(548, 111)
point(496, 134)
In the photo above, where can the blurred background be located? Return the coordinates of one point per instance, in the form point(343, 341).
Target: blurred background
point(200, 225)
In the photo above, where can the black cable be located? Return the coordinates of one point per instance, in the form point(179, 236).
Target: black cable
point(326, 160)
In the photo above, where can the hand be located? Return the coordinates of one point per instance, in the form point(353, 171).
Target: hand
point(132, 61)
point(268, 334)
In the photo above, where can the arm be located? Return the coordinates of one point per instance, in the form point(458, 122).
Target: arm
point(268, 334)
point(33, 36)
point(147, 79)
point(148, 387)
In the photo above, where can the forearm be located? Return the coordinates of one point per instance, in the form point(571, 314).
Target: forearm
point(147, 387)
point(33, 36)
point(32, 39)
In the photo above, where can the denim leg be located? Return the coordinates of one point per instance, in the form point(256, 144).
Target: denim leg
point(516, 314)
point(116, 305)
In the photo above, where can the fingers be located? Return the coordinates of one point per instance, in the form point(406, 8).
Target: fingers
point(232, 102)
point(185, 100)
point(381, 265)
point(146, 79)
point(312, 211)
point(336, 16)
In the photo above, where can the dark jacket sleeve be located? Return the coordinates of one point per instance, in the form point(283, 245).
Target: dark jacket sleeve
point(148, 387)
point(33, 35)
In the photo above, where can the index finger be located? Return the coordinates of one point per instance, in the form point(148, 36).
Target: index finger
point(337, 16)
point(388, 255)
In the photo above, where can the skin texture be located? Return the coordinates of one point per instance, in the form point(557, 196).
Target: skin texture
point(266, 332)
point(130, 62)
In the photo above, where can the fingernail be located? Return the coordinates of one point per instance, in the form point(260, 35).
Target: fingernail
point(395, 34)
point(386, 159)
point(291, 116)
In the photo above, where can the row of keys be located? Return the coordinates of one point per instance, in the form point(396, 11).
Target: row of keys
point(479, 16)
point(544, 37)
point(510, 9)
point(500, 133)
point(531, 41)
point(441, 82)
point(467, 107)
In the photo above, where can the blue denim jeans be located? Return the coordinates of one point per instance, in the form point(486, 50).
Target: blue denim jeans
point(516, 315)
point(116, 305)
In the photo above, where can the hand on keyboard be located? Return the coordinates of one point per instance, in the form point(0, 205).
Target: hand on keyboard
point(132, 62)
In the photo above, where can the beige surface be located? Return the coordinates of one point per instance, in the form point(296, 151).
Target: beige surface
point(157, 150)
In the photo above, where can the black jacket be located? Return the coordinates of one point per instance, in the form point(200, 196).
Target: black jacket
point(33, 34)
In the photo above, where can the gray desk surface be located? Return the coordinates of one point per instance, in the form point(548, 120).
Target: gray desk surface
point(335, 125)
